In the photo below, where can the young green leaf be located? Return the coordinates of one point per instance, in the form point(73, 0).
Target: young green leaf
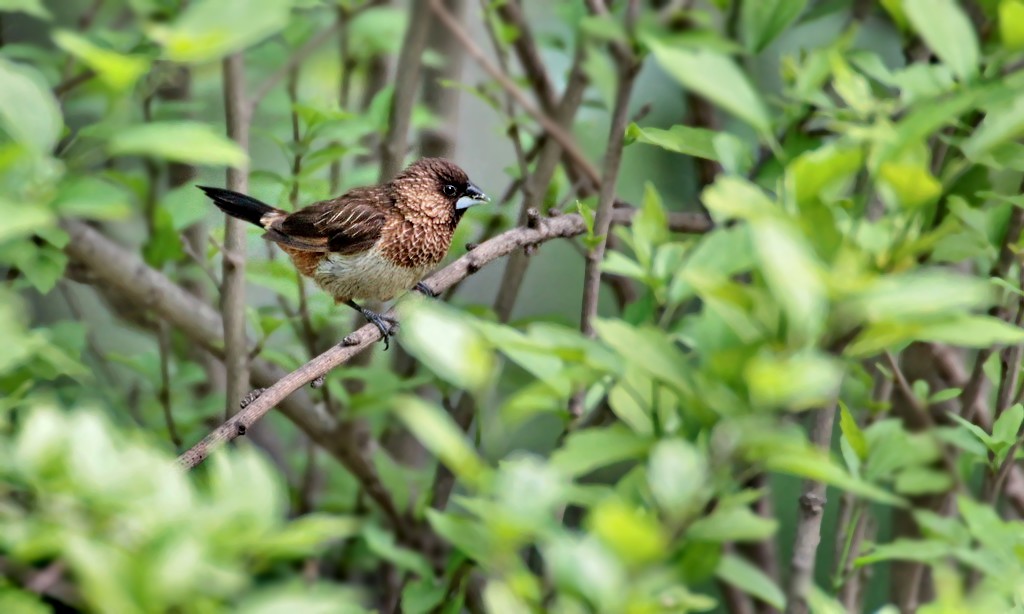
point(761, 22)
point(715, 77)
point(584, 451)
point(948, 31)
point(29, 112)
point(178, 141)
point(736, 571)
point(211, 29)
point(852, 432)
point(697, 142)
point(436, 430)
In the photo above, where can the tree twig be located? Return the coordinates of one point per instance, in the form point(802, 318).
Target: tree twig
point(407, 79)
point(808, 530)
point(628, 67)
point(236, 354)
point(296, 58)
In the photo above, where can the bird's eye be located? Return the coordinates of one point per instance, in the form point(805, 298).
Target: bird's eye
point(449, 190)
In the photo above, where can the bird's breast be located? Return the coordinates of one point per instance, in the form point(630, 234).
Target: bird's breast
point(369, 275)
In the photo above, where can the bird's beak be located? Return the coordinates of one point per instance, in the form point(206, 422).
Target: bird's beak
point(472, 196)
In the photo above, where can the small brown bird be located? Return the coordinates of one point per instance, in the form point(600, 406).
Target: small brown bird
point(372, 242)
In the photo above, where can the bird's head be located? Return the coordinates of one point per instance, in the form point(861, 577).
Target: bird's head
point(437, 186)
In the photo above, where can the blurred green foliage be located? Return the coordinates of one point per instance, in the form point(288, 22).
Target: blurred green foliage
point(864, 207)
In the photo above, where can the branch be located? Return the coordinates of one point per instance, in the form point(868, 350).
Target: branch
point(236, 354)
point(808, 530)
point(129, 278)
point(364, 337)
point(407, 79)
point(564, 139)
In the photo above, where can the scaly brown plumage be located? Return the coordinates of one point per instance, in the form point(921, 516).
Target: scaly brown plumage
point(371, 242)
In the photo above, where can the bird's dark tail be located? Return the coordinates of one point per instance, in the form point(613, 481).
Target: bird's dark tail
point(237, 205)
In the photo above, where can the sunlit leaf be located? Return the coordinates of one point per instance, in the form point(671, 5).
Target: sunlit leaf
point(1011, 24)
point(584, 451)
point(178, 141)
point(748, 578)
point(210, 29)
point(29, 112)
point(117, 70)
point(697, 142)
point(948, 31)
point(436, 430)
point(715, 77)
point(446, 343)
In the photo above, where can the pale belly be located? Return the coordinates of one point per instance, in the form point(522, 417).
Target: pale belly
point(365, 276)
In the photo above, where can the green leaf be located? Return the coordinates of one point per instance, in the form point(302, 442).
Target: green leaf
point(382, 543)
point(211, 29)
point(917, 481)
point(590, 449)
point(732, 197)
point(1011, 24)
point(922, 551)
point(697, 142)
point(736, 571)
point(179, 141)
point(802, 381)
point(852, 432)
point(436, 430)
point(650, 226)
point(29, 112)
point(117, 70)
point(1002, 124)
point(634, 536)
point(717, 78)
point(921, 294)
point(817, 171)
point(676, 474)
point(948, 31)
point(305, 534)
point(793, 275)
point(34, 8)
point(22, 219)
point(908, 185)
point(92, 198)
point(762, 21)
point(734, 524)
point(1007, 426)
point(647, 348)
point(444, 340)
point(972, 332)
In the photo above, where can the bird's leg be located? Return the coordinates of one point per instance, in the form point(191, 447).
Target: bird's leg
point(383, 323)
point(424, 289)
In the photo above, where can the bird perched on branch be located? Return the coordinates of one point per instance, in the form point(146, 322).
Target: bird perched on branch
point(370, 243)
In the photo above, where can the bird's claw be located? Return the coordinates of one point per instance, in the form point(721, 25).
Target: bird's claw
point(383, 323)
point(424, 289)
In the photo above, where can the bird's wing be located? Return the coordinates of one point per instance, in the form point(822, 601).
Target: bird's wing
point(348, 224)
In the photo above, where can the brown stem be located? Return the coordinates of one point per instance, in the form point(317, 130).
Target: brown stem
point(808, 530)
point(233, 273)
point(441, 100)
point(407, 79)
point(628, 69)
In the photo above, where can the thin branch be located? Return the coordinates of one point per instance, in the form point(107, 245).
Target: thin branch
point(238, 117)
point(808, 530)
point(164, 394)
point(364, 337)
point(628, 67)
point(550, 153)
point(564, 139)
point(407, 80)
point(441, 100)
point(525, 46)
point(124, 275)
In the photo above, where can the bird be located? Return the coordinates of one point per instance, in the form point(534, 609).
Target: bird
point(372, 242)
